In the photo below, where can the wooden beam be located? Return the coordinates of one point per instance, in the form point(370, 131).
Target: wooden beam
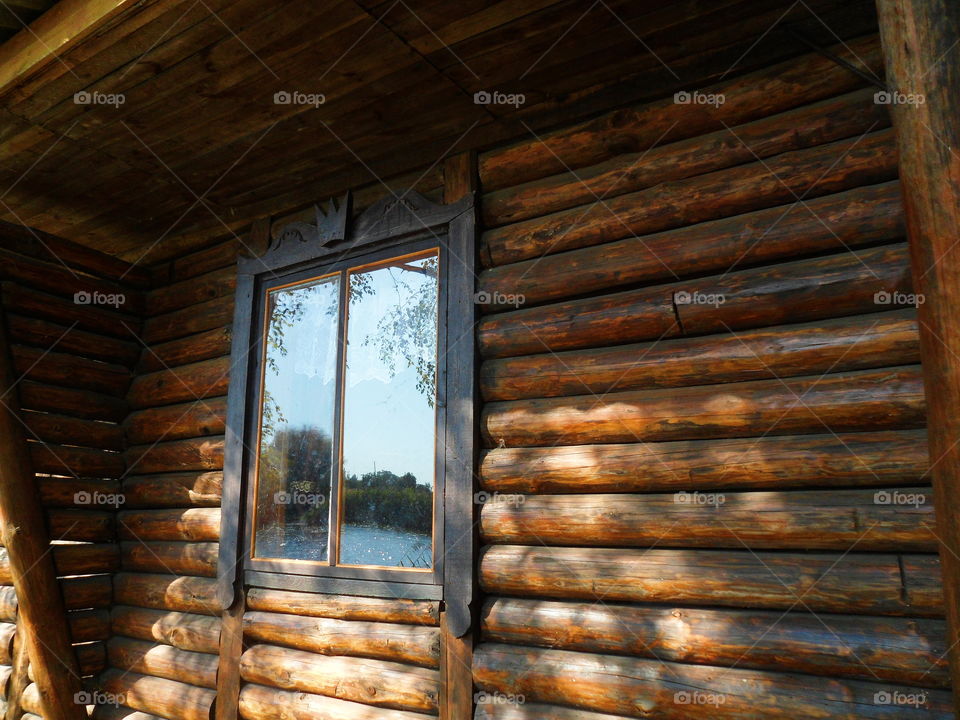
point(456, 649)
point(56, 31)
point(42, 616)
point(923, 70)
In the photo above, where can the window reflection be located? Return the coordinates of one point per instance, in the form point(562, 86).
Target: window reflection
point(296, 459)
point(389, 415)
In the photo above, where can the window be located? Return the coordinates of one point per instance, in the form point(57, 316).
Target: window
point(346, 459)
point(350, 430)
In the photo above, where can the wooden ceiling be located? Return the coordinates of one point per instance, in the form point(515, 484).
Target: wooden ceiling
point(184, 143)
point(15, 15)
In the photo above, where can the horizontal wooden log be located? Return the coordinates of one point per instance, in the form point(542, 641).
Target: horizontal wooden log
point(189, 320)
point(67, 401)
point(773, 89)
point(883, 399)
point(800, 291)
point(7, 633)
point(198, 524)
point(175, 558)
point(166, 592)
point(833, 223)
point(173, 490)
point(204, 379)
point(409, 612)
point(102, 319)
point(89, 591)
point(258, 702)
point(76, 461)
point(182, 351)
point(57, 368)
point(163, 661)
point(791, 288)
point(177, 456)
point(91, 657)
point(53, 277)
point(876, 340)
point(192, 291)
point(119, 712)
point(174, 422)
point(44, 334)
point(5, 672)
point(820, 582)
point(8, 603)
point(636, 687)
point(356, 638)
point(30, 700)
point(82, 492)
point(186, 631)
point(166, 698)
point(797, 520)
point(907, 651)
point(89, 625)
point(849, 115)
point(372, 682)
point(81, 524)
point(813, 172)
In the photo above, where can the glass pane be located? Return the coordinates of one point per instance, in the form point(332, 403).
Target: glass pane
point(296, 461)
point(389, 415)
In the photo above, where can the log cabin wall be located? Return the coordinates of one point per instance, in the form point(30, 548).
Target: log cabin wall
point(73, 349)
point(705, 481)
point(345, 656)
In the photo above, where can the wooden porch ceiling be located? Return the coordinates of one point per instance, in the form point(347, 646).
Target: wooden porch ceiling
point(180, 140)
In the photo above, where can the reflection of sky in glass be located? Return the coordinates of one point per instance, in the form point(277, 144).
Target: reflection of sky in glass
point(388, 423)
point(297, 420)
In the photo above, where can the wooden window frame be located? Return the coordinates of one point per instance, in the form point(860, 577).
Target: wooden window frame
point(397, 225)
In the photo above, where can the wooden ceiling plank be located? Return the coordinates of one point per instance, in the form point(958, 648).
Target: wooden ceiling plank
point(65, 25)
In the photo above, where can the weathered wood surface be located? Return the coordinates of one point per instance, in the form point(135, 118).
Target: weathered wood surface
point(917, 37)
point(68, 430)
point(193, 489)
point(870, 520)
point(78, 492)
point(26, 539)
point(191, 291)
point(637, 687)
point(163, 661)
point(174, 422)
point(44, 334)
point(195, 348)
point(869, 584)
point(851, 219)
point(71, 560)
point(8, 603)
point(167, 698)
point(833, 119)
point(412, 644)
point(204, 453)
point(799, 291)
point(881, 458)
point(81, 524)
point(67, 401)
point(100, 319)
point(876, 340)
point(166, 592)
point(907, 651)
point(204, 379)
point(87, 625)
point(774, 181)
point(57, 368)
point(190, 320)
point(373, 682)
point(189, 524)
point(176, 558)
point(119, 712)
point(186, 631)
point(75, 461)
point(409, 612)
point(884, 399)
point(754, 95)
point(258, 702)
point(87, 591)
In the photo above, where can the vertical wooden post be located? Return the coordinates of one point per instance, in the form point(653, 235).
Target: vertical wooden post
point(456, 665)
point(923, 71)
point(41, 616)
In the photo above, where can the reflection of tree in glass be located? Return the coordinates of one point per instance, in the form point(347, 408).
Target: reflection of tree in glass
point(285, 310)
point(386, 500)
point(298, 461)
point(408, 329)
